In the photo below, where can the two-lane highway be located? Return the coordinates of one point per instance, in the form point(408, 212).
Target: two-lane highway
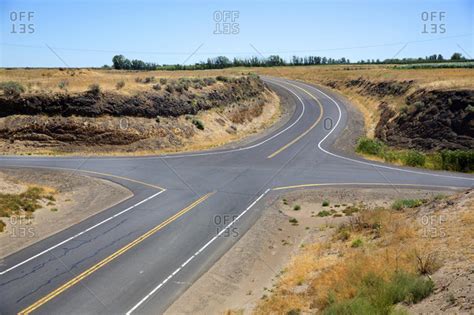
point(140, 255)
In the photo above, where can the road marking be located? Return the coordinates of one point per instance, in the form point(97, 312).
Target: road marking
point(90, 172)
point(357, 161)
point(305, 132)
point(362, 184)
point(81, 233)
point(144, 299)
point(110, 258)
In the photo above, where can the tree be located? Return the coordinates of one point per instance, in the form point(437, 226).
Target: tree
point(457, 56)
point(118, 62)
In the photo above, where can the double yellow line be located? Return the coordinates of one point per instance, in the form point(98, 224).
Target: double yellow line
point(105, 261)
point(307, 131)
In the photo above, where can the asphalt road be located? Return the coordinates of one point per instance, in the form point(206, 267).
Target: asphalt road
point(140, 255)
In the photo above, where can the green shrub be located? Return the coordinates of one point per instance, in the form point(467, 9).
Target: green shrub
point(11, 88)
point(357, 243)
point(297, 207)
point(458, 160)
point(325, 203)
point(406, 203)
point(120, 84)
point(324, 213)
point(369, 146)
point(378, 296)
point(156, 87)
point(199, 124)
point(163, 81)
point(63, 84)
point(293, 221)
point(414, 158)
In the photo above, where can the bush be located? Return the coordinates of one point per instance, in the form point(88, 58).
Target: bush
point(94, 89)
point(325, 203)
point(199, 124)
point(149, 80)
point(63, 84)
point(414, 158)
point(369, 146)
point(324, 213)
point(378, 296)
point(458, 160)
point(11, 88)
point(406, 203)
point(156, 87)
point(357, 243)
point(297, 207)
point(2, 226)
point(209, 81)
point(120, 84)
point(222, 78)
point(163, 81)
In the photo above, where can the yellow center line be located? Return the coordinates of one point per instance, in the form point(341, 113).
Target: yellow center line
point(304, 133)
point(116, 254)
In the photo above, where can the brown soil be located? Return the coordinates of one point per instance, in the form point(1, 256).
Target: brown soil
point(76, 198)
point(251, 269)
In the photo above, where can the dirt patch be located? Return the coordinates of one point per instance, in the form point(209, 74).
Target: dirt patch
point(76, 197)
point(250, 270)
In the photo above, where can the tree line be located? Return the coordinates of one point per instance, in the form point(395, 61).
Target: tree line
point(120, 62)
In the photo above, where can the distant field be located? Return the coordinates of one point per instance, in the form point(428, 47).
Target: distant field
point(79, 80)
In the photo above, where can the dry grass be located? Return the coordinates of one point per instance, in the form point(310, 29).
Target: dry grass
point(79, 80)
point(392, 242)
point(368, 105)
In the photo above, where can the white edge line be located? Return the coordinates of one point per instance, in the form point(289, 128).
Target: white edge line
point(362, 162)
point(81, 233)
point(146, 297)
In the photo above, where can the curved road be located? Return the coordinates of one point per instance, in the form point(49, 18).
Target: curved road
point(140, 255)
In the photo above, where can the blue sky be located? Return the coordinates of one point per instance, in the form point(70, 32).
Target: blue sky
point(88, 33)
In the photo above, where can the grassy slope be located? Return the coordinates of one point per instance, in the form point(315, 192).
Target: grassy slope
point(380, 258)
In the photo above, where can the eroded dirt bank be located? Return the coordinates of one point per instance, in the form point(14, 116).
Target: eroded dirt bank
point(171, 119)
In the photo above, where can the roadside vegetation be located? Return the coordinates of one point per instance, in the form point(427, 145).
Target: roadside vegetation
point(450, 160)
point(375, 261)
point(24, 203)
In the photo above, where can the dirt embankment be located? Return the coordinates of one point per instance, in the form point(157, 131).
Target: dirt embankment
point(174, 117)
point(416, 118)
point(431, 120)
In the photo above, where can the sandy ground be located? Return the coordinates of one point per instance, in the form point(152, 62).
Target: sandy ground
point(77, 197)
point(249, 270)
